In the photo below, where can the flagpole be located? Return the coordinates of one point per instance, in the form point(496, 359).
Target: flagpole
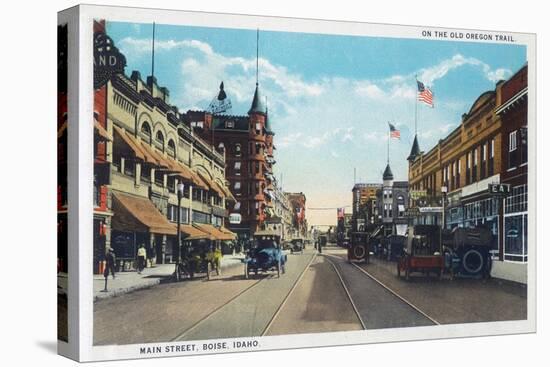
point(389, 137)
point(153, 56)
point(416, 106)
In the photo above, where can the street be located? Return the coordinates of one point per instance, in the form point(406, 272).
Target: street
point(318, 293)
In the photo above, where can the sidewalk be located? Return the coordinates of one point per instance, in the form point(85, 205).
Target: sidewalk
point(130, 281)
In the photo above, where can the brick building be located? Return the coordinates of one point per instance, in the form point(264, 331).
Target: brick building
point(144, 147)
point(483, 150)
point(247, 141)
point(298, 204)
point(364, 203)
point(511, 107)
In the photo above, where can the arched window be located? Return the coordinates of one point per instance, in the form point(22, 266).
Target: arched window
point(146, 131)
point(160, 137)
point(171, 148)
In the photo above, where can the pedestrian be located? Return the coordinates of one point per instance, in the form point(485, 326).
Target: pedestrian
point(142, 257)
point(110, 259)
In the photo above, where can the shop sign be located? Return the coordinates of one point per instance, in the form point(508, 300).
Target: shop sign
point(412, 212)
point(235, 218)
point(108, 60)
point(431, 209)
point(417, 194)
point(499, 189)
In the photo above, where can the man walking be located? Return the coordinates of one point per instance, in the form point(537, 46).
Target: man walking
point(110, 259)
point(142, 255)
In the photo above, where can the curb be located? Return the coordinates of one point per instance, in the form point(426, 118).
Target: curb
point(150, 283)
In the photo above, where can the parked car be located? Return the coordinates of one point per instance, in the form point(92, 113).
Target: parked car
point(297, 245)
point(199, 257)
point(265, 255)
point(468, 251)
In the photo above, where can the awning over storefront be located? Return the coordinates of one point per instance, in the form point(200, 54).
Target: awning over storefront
point(102, 132)
point(215, 233)
point(228, 232)
point(134, 213)
point(376, 232)
point(191, 233)
point(131, 142)
point(211, 184)
point(180, 169)
point(154, 156)
point(226, 191)
point(61, 130)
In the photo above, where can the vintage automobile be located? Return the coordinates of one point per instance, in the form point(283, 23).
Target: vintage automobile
point(265, 254)
point(199, 257)
point(422, 252)
point(297, 245)
point(358, 247)
point(394, 245)
point(468, 251)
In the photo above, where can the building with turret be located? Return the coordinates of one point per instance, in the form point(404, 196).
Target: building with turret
point(392, 201)
point(477, 175)
point(247, 143)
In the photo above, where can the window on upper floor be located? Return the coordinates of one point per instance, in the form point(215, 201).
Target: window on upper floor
point(512, 150)
point(172, 148)
point(159, 138)
point(523, 145)
point(145, 131)
point(237, 168)
point(512, 138)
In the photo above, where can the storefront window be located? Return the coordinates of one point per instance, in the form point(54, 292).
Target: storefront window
point(515, 240)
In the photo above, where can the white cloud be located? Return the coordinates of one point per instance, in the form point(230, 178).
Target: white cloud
point(333, 113)
point(369, 90)
point(431, 74)
point(288, 139)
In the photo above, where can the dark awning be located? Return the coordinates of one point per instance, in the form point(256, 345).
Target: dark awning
point(136, 213)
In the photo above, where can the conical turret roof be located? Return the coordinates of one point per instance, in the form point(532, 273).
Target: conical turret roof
point(415, 150)
point(388, 175)
point(258, 106)
point(221, 95)
point(268, 130)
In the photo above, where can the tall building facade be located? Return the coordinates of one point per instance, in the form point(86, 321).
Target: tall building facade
point(248, 145)
point(299, 222)
point(465, 173)
point(364, 204)
point(511, 107)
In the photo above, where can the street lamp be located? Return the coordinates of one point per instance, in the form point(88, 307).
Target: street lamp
point(443, 196)
point(179, 190)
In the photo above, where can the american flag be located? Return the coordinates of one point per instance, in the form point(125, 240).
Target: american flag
point(341, 212)
point(425, 94)
point(394, 133)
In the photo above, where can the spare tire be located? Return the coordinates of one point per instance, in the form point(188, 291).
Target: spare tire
point(473, 261)
point(359, 251)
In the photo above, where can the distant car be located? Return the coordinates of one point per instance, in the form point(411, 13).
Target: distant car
point(265, 255)
point(286, 245)
point(297, 245)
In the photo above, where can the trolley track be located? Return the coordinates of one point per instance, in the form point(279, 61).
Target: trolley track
point(276, 314)
point(378, 305)
point(198, 323)
point(347, 293)
point(188, 332)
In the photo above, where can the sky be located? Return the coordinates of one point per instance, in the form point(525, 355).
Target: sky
point(330, 97)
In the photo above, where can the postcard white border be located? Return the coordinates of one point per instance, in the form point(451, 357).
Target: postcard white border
point(178, 17)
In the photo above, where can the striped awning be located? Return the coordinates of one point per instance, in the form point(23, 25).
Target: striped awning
point(131, 142)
